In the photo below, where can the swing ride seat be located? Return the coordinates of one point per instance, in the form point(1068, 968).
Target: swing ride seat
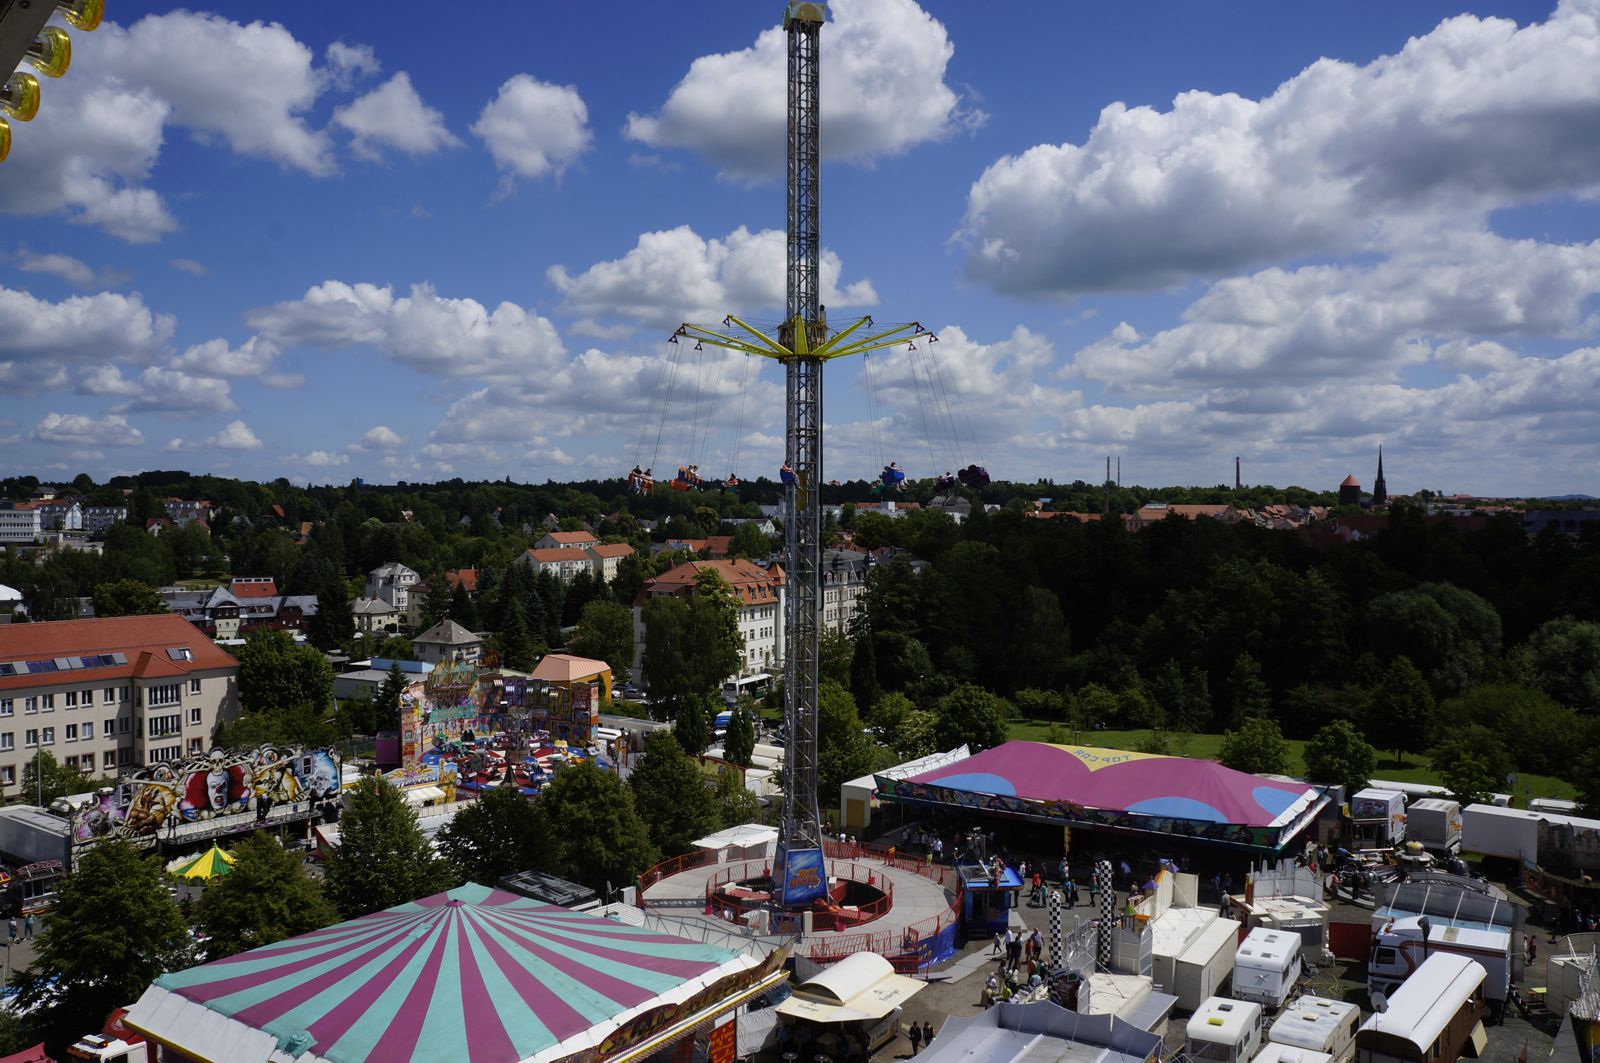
point(944, 483)
point(788, 477)
point(974, 476)
point(679, 483)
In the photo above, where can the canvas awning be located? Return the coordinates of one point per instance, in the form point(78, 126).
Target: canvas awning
point(863, 986)
point(421, 795)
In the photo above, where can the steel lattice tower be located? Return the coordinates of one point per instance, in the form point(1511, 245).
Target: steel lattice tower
point(802, 344)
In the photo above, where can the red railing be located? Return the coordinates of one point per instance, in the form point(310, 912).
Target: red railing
point(838, 919)
point(668, 868)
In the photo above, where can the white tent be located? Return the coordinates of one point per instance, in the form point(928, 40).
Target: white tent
point(748, 841)
point(863, 986)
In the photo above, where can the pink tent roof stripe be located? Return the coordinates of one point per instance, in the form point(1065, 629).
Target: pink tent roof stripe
point(1140, 783)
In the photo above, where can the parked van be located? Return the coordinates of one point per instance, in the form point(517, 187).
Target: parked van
point(1320, 1025)
point(1224, 1031)
point(1267, 966)
point(1432, 1018)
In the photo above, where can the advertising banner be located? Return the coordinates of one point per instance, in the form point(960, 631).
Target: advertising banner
point(804, 877)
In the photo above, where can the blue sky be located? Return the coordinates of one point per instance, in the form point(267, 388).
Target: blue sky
point(348, 244)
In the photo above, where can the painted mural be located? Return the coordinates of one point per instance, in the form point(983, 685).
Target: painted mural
point(453, 704)
point(212, 786)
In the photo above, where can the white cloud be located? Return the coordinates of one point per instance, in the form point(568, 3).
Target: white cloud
point(317, 459)
point(676, 275)
point(82, 430)
point(379, 438)
point(190, 266)
point(158, 390)
point(236, 436)
point(348, 63)
point(1472, 116)
point(883, 93)
point(533, 128)
point(445, 337)
point(39, 338)
point(215, 358)
point(1287, 328)
point(72, 270)
point(394, 116)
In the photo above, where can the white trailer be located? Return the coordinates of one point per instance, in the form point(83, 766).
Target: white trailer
point(1402, 947)
point(1224, 1031)
point(1267, 966)
point(1201, 968)
point(1511, 833)
point(1271, 1052)
point(1436, 823)
point(1317, 1024)
point(1433, 1018)
point(1378, 818)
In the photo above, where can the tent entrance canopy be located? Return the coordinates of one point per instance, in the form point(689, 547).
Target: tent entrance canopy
point(857, 988)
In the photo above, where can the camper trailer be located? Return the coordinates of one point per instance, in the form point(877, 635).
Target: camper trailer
point(1224, 1031)
point(1401, 947)
point(1272, 1052)
point(1433, 1017)
point(1267, 966)
point(1320, 1025)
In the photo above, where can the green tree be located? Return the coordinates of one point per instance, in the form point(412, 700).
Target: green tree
point(1535, 729)
point(843, 750)
point(1586, 779)
point(112, 930)
point(692, 643)
point(1042, 642)
point(1036, 704)
point(1563, 659)
point(864, 674)
point(751, 542)
point(277, 675)
point(500, 834)
point(265, 898)
point(739, 744)
point(1248, 695)
point(1400, 715)
point(1471, 761)
point(692, 725)
point(127, 597)
point(1337, 754)
point(382, 859)
point(516, 645)
point(917, 735)
point(387, 708)
point(394, 648)
point(1257, 747)
point(597, 837)
point(44, 779)
point(972, 715)
point(671, 795)
point(334, 626)
point(1451, 636)
point(605, 633)
point(436, 601)
point(732, 803)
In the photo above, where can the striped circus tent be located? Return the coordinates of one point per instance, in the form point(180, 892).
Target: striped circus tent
point(475, 975)
point(208, 865)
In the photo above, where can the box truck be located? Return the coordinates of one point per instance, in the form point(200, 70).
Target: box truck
point(1378, 818)
point(1404, 945)
point(1436, 823)
point(1266, 966)
point(1432, 1018)
point(1317, 1024)
point(1512, 833)
point(1224, 1031)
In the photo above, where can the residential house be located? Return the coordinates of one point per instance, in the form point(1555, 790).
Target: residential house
point(108, 693)
point(245, 604)
point(844, 576)
point(19, 523)
point(392, 583)
point(447, 641)
point(374, 616)
point(760, 594)
point(96, 519)
point(182, 511)
point(607, 557)
point(578, 540)
point(1151, 512)
point(564, 562)
point(59, 514)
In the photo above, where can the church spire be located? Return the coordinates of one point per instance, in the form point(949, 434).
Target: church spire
point(1380, 490)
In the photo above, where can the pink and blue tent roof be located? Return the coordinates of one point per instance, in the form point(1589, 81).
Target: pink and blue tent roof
point(475, 975)
point(1138, 783)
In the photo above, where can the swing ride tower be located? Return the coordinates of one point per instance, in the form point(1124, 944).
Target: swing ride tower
point(801, 343)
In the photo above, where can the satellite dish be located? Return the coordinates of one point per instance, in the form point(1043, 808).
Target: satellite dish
point(1380, 1003)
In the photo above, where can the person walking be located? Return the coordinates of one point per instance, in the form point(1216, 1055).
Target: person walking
point(1533, 947)
point(27, 927)
point(915, 1033)
point(927, 1033)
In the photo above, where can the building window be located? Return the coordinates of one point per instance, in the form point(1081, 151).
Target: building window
point(72, 762)
point(122, 724)
point(72, 699)
point(5, 707)
point(161, 726)
point(72, 732)
point(194, 715)
point(8, 776)
point(194, 745)
point(111, 695)
point(8, 740)
point(88, 699)
point(165, 694)
point(125, 756)
point(108, 759)
point(30, 737)
point(194, 686)
point(30, 704)
point(49, 736)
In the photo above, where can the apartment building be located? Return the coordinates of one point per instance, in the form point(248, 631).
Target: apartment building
point(106, 694)
point(599, 560)
point(760, 594)
point(19, 523)
point(96, 519)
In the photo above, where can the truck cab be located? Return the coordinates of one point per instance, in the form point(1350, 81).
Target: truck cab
point(104, 1049)
point(1403, 945)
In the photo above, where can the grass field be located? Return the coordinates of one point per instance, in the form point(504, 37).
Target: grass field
point(1208, 746)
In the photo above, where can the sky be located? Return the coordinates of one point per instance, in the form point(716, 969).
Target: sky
point(365, 242)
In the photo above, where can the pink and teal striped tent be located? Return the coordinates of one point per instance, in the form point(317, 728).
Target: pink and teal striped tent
point(475, 975)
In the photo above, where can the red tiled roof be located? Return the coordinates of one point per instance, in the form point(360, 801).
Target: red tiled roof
point(552, 554)
point(462, 577)
point(611, 550)
point(143, 639)
point(750, 582)
point(572, 538)
point(253, 588)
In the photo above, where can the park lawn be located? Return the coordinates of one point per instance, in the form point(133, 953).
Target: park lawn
point(1209, 747)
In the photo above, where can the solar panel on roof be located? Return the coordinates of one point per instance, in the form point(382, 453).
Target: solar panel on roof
point(63, 664)
point(120, 657)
